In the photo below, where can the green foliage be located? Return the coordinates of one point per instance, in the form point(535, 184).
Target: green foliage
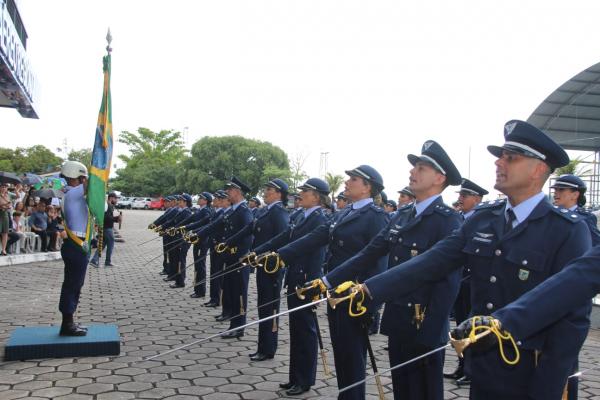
point(334, 182)
point(574, 167)
point(37, 159)
point(152, 163)
point(84, 156)
point(215, 159)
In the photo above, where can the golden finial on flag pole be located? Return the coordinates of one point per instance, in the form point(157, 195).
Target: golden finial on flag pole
point(108, 39)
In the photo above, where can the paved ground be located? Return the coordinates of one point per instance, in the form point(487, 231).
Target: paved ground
point(153, 318)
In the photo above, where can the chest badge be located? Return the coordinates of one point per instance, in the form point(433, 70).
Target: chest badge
point(523, 274)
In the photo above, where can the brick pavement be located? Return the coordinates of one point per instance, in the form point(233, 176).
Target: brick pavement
point(153, 318)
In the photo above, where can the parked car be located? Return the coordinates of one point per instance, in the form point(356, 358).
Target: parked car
point(124, 202)
point(157, 204)
point(141, 203)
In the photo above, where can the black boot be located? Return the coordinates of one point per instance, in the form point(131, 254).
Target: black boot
point(69, 328)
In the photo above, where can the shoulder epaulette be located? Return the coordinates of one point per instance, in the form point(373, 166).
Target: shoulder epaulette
point(567, 214)
point(405, 207)
point(490, 204)
point(444, 210)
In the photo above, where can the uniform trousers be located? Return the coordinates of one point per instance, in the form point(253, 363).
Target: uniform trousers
point(420, 380)
point(303, 342)
point(182, 263)
point(216, 281)
point(76, 261)
point(269, 291)
point(199, 251)
point(238, 295)
point(348, 339)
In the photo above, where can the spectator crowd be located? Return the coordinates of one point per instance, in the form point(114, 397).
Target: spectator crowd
point(28, 223)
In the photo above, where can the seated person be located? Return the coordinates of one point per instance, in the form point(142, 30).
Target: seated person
point(53, 229)
point(38, 221)
point(15, 232)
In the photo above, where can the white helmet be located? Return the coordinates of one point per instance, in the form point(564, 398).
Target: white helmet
point(73, 169)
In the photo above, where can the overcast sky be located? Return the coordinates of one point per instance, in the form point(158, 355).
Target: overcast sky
point(366, 81)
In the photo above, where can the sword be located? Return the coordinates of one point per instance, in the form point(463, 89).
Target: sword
point(314, 303)
point(148, 241)
point(320, 339)
point(373, 363)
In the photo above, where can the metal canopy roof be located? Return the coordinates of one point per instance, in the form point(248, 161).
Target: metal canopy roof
point(571, 114)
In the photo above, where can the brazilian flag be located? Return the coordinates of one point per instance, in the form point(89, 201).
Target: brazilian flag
point(101, 155)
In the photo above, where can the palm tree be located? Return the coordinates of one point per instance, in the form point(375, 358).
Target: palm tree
point(334, 182)
point(574, 168)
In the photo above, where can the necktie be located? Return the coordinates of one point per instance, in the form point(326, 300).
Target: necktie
point(509, 222)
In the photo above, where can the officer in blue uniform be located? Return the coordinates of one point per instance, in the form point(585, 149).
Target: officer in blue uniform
point(221, 204)
point(178, 253)
point(509, 249)
point(170, 209)
point(341, 202)
point(302, 324)
point(235, 284)
point(201, 216)
point(416, 322)
point(405, 196)
point(254, 205)
point(297, 210)
point(268, 223)
point(549, 305)
point(469, 196)
point(75, 250)
point(352, 230)
point(390, 207)
point(569, 192)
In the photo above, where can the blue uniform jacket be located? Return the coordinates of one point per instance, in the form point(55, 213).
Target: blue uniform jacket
point(404, 238)
point(307, 267)
point(346, 236)
point(198, 218)
point(265, 225)
point(165, 216)
point(592, 223)
point(230, 223)
point(181, 215)
point(504, 267)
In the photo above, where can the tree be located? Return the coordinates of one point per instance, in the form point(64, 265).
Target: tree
point(334, 182)
point(37, 159)
point(298, 175)
point(215, 159)
point(150, 168)
point(84, 156)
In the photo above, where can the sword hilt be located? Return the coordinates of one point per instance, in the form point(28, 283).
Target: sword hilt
point(220, 248)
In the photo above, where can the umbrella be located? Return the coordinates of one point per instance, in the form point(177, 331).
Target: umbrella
point(9, 177)
point(31, 179)
point(47, 193)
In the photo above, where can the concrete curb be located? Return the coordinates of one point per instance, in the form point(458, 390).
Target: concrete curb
point(16, 259)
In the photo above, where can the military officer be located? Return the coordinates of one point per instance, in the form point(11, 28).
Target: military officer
point(569, 192)
point(254, 205)
point(235, 284)
point(469, 195)
point(507, 246)
point(347, 235)
point(406, 196)
point(297, 210)
point(169, 211)
point(341, 201)
point(268, 223)
point(75, 250)
point(178, 253)
point(222, 205)
point(201, 216)
point(390, 206)
point(314, 194)
point(417, 322)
